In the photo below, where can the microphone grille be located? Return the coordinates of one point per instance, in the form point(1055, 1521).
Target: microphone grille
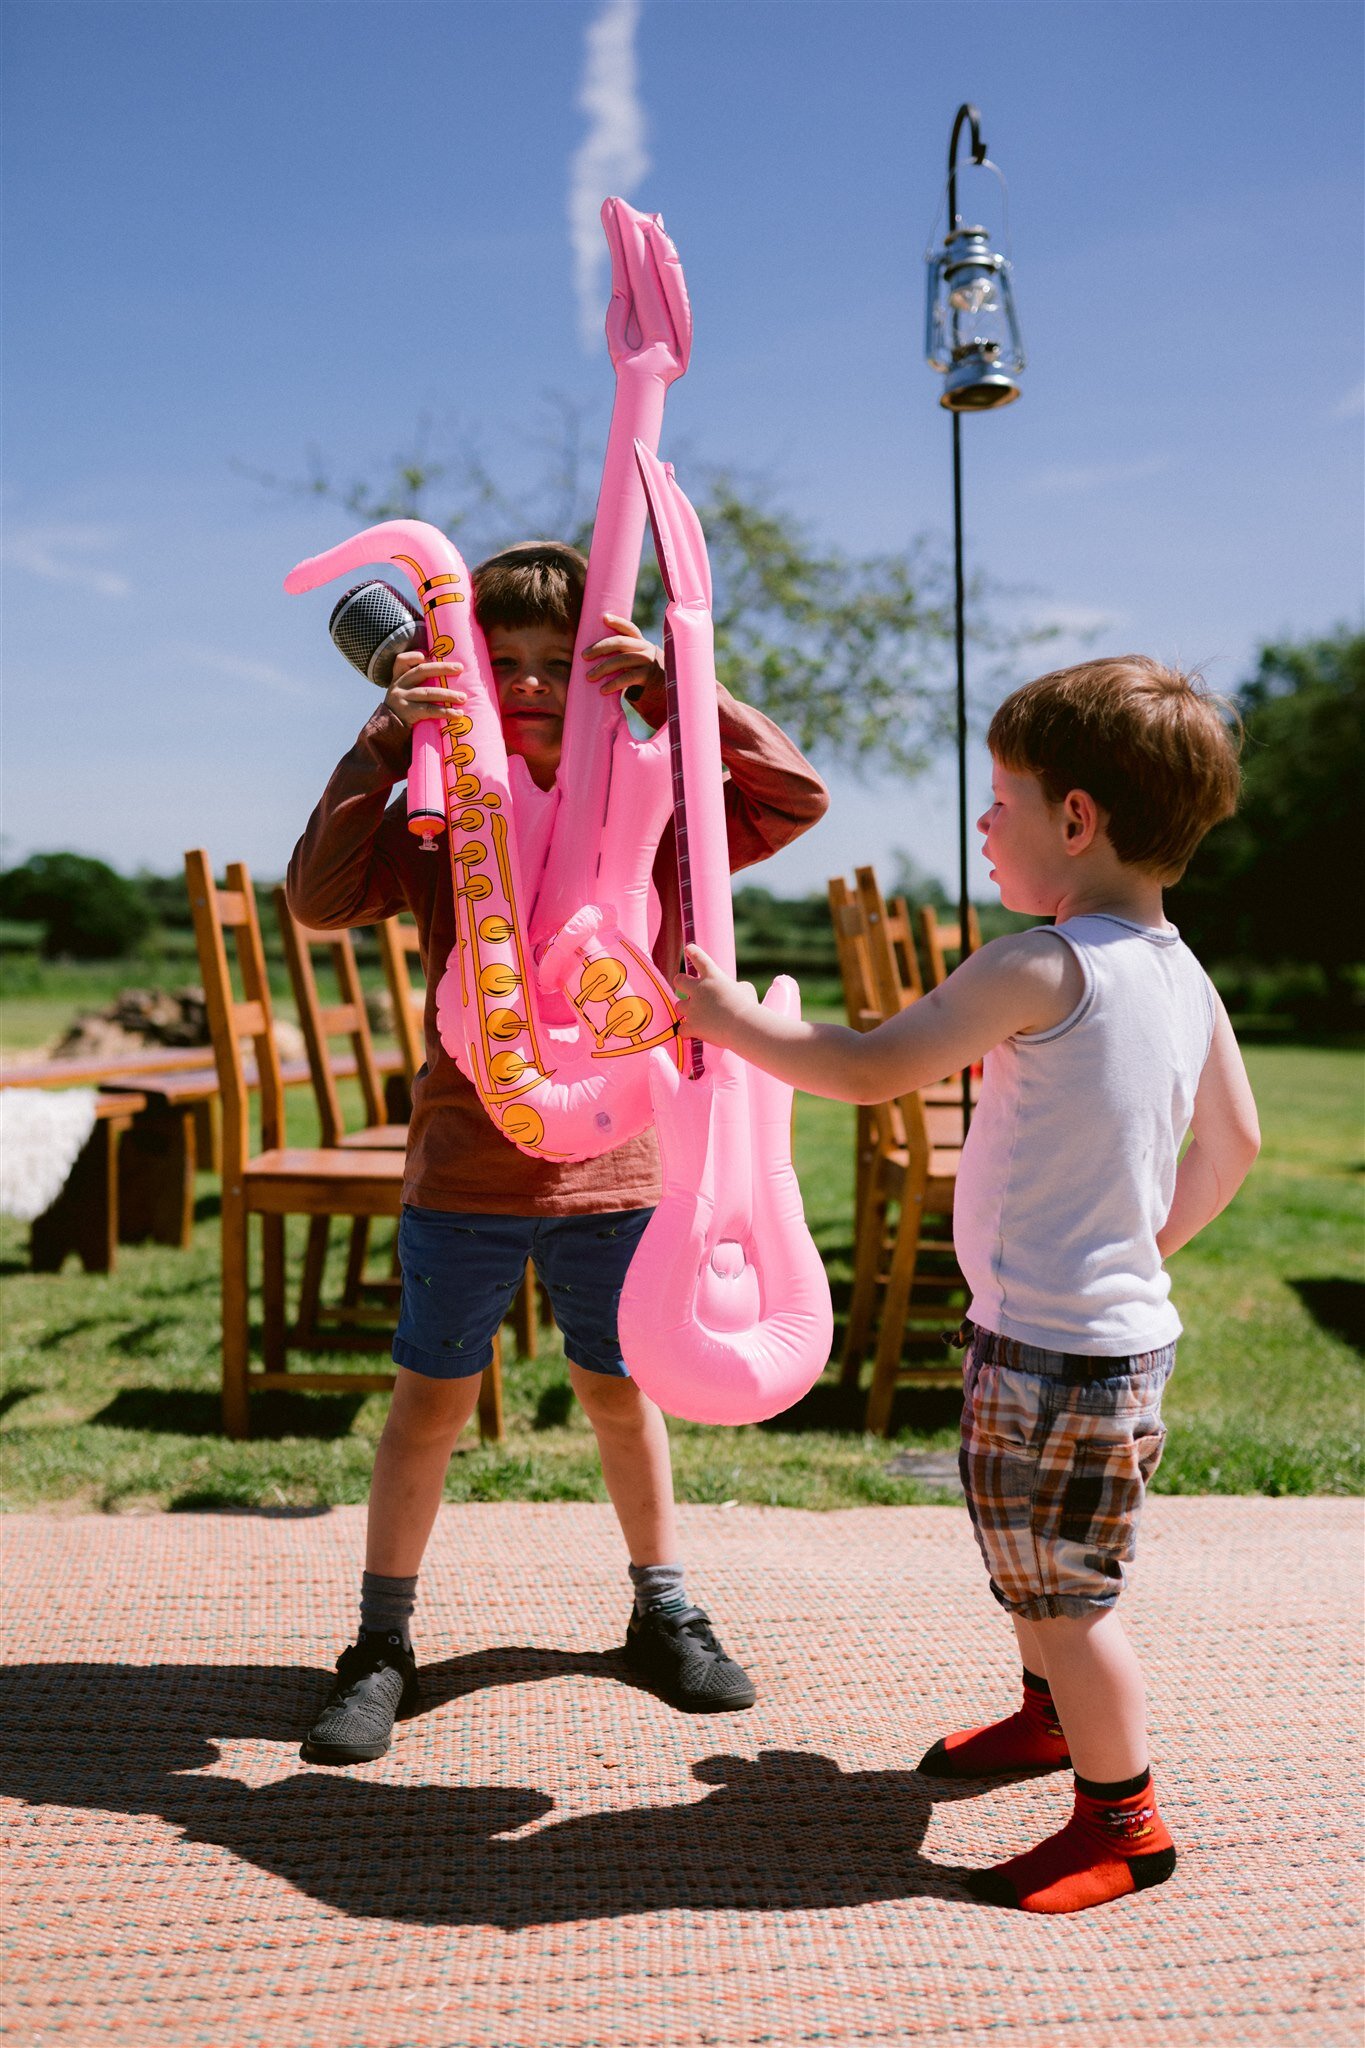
point(372, 624)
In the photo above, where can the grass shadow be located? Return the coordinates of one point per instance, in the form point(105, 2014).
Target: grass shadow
point(131, 1343)
point(211, 1500)
point(1337, 1306)
point(14, 1396)
point(554, 1407)
point(840, 1410)
point(183, 1411)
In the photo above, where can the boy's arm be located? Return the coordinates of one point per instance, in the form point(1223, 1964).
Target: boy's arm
point(772, 794)
point(347, 868)
point(1027, 982)
point(1225, 1137)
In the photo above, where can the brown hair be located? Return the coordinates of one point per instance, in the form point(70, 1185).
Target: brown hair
point(535, 583)
point(1156, 751)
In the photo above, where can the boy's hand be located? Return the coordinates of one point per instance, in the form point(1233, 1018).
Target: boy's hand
point(711, 1004)
point(623, 659)
point(422, 689)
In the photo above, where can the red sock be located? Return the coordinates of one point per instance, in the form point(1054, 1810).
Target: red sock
point(1030, 1740)
point(1114, 1843)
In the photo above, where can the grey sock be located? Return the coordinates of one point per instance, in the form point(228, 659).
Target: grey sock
point(386, 1605)
point(659, 1586)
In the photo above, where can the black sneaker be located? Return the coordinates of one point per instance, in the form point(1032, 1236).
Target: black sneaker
point(681, 1656)
point(376, 1685)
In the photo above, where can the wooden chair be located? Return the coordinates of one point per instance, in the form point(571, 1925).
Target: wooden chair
point(399, 944)
point(280, 1180)
point(905, 1277)
point(895, 977)
point(321, 1024)
point(938, 940)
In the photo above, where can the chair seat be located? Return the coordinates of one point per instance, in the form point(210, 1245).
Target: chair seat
point(316, 1182)
point(377, 1138)
point(943, 1120)
point(893, 1166)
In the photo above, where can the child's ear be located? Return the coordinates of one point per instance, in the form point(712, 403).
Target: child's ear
point(1080, 820)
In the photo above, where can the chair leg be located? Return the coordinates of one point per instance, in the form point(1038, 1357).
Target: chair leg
point(310, 1287)
point(492, 1429)
point(524, 1314)
point(896, 1300)
point(355, 1260)
point(235, 1311)
point(869, 1232)
point(272, 1294)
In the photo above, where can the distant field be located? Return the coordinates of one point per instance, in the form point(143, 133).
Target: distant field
point(108, 1388)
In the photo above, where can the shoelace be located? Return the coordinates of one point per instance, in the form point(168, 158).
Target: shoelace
point(698, 1626)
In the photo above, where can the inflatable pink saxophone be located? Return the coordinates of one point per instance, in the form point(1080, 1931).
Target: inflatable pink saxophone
point(725, 1315)
point(556, 1047)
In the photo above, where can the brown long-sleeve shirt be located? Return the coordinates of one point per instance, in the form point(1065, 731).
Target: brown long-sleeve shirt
point(357, 863)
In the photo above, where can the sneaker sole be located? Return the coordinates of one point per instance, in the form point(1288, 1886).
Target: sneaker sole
point(356, 1753)
point(329, 1753)
point(686, 1703)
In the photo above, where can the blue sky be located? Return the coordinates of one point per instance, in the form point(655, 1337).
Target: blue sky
point(238, 231)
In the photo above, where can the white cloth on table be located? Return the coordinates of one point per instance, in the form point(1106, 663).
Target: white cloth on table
point(42, 1133)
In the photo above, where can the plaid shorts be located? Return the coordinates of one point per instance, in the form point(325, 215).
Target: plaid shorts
point(1057, 1452)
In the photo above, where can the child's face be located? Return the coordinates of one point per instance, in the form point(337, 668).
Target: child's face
point(531, 667)
point(1025, 843)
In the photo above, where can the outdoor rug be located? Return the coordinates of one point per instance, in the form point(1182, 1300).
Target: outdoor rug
point(549, 1857)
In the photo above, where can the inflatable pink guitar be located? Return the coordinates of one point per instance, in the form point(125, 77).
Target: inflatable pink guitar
point(725, 1315)
point(551, 1003)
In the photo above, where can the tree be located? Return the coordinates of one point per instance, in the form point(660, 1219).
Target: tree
point(1279, 882)
point(851, 654)
point(89, 912)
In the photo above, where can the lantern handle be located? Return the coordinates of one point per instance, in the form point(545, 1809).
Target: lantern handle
point(985, 163)
point(965, 113)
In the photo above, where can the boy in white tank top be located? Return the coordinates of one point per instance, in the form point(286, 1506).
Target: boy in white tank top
point(1104, 1044)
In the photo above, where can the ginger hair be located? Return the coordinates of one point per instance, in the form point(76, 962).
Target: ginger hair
point(535, 583)
point(1155, 750)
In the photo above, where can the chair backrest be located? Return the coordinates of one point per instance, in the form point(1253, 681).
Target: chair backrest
point(901, 1124)
point(322, 1022)
point(398, 944)
point(938, 940)
point(895, 968)
point(217, 912)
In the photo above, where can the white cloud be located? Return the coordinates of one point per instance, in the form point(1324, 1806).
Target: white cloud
point(235, 669)
point(1078, 621)
point(611, 157)
point(68, 553)
point(1351, 406)
point(1094, 476)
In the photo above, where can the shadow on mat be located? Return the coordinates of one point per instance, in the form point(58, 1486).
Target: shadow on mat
point(787, 1831)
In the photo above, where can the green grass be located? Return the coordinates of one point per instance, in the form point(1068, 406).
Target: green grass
point(108, 1387)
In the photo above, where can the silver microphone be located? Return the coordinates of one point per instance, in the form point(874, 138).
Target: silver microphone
point(372, 625)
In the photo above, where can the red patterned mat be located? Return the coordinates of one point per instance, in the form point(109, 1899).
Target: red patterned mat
point(550, 1858)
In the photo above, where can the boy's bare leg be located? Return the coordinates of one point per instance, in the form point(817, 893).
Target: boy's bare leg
point(1097, 1689)
point(1032, 1655)
point(632, 1440)
point(424, 1422)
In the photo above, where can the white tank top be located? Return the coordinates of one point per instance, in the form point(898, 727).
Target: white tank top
point(1069, 1167)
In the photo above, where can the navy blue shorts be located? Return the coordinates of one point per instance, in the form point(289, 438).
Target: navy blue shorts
point(461, 1272)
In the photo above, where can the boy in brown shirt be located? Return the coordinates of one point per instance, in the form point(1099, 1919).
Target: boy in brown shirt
point(475, 1209)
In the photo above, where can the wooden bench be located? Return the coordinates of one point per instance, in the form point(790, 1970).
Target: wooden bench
point(157, 1127)
point(85, 1216)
